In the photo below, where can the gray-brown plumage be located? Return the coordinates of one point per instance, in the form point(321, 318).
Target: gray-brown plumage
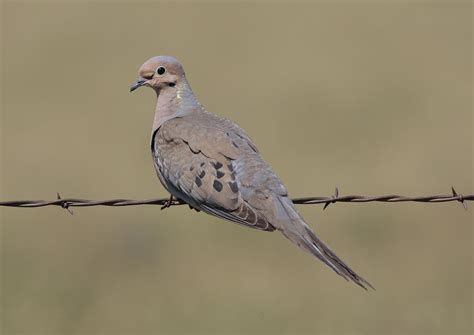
point(210, 163)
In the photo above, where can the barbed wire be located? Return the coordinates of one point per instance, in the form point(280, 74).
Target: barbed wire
point(168, 202)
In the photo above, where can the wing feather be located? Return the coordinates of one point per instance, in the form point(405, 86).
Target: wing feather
point(198, 167)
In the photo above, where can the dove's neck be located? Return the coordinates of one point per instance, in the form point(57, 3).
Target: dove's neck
point(174, 102)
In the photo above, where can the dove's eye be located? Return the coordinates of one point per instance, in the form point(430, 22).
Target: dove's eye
point(160, 70)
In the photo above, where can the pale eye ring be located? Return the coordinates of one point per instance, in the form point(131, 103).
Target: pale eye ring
point(160, 70)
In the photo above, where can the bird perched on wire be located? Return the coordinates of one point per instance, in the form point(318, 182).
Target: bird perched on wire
point(210, 163)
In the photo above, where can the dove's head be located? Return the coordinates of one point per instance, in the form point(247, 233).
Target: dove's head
point(159, 73)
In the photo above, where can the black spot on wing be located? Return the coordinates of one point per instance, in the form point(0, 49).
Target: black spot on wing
point(198, 181)
point(202, 174)
point(233, 186)
point(220, 174)
point(217, 185)
point(217, 165)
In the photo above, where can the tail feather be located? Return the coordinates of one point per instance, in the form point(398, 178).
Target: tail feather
point(297, 231)
point(325, 254)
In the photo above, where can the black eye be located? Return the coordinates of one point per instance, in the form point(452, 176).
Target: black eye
point(160, 70)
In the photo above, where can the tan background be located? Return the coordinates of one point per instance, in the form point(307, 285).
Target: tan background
point(372, 97)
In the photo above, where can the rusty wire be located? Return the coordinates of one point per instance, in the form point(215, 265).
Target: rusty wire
point(73, 202)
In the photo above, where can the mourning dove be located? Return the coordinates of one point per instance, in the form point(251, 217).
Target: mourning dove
point(211, 164)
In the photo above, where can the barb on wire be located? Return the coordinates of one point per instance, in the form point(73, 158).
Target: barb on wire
point(65, 205)
point(167, 202)
point(335, 196)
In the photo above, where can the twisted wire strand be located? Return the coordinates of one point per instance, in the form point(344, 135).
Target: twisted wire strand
point(165, 202)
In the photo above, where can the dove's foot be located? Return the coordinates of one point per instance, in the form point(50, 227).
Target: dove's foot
point(191, 207)
point(168, 203)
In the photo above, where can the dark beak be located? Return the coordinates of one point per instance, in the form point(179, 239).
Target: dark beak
point(137, 84)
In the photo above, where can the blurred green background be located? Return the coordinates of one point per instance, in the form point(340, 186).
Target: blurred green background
point(373, 97)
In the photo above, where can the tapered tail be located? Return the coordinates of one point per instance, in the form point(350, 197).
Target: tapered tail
point(297, 231)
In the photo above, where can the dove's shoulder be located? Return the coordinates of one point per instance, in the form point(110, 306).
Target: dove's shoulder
point(216, 138)
point(210, 134)
point(220, 141)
